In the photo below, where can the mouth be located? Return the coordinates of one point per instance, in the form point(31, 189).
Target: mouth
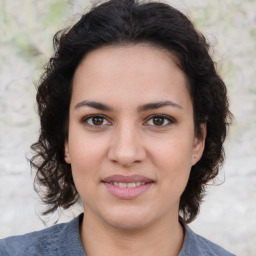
point(127, 179)
point(127, 187)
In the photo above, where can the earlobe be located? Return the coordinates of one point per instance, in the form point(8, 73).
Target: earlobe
point(67, 154)
point(199, 143)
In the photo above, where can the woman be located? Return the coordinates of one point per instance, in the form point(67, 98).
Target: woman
point(133, 119)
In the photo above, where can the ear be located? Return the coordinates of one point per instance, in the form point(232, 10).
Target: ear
point(67, 154)
point(198, 146)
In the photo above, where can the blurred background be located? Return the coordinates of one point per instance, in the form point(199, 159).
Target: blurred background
point(228, 215)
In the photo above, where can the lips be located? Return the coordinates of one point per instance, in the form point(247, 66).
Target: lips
point(127, 187)
point(126, 179)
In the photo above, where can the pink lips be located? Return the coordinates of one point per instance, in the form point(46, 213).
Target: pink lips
point(127, 179)
point(127, 192)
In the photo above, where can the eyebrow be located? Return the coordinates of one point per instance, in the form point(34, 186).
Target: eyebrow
point(156, 105)
point(142, 108)
point(93, 104)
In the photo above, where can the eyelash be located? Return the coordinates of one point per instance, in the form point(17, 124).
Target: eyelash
point(168, 118)
point(165, 117)
point(85, 120)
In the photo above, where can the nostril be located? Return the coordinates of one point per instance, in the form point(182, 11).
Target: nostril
point(126, 156)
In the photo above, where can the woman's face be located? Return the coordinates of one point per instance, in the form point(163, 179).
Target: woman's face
point(131, 141)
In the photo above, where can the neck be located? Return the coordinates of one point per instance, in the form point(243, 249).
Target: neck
point(99, 238)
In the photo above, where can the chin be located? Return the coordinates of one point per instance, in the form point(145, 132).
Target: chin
point(127, 219)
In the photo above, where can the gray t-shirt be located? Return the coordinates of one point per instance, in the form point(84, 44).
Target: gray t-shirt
point(64, 240)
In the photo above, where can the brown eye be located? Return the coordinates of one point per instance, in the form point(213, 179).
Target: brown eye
point(97, 120)
point(158, 121)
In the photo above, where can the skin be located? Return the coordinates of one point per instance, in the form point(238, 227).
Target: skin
point(128, 142)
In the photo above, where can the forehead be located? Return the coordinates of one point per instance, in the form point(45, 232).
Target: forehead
point(129, 56)
point(114, 71)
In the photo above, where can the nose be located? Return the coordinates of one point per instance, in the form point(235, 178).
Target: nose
point(126, 146)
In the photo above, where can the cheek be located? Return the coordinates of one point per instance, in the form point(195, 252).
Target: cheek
point(86, 156)
point(84, 167)
point(173, 161)
point(84, 149)
point(173, 152)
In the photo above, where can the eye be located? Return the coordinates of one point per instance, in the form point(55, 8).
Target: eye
point(160, 120)
point(95, 121)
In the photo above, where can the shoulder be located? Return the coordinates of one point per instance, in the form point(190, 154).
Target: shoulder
point(36, 242)
point(195, 244)
point(50, 241)
point(209, 248)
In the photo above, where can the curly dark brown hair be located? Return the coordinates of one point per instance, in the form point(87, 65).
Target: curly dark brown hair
point(122, 22)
